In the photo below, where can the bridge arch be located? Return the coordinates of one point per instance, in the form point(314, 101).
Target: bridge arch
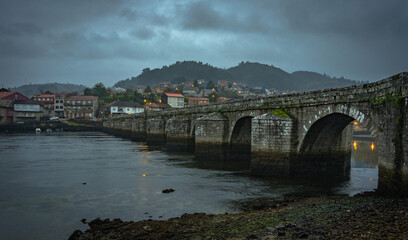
point(240, 139)
point(324, 135)
point(349, 113)
point(326, 146)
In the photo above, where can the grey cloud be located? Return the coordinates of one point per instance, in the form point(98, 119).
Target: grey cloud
point(143, 33)
point(19, 29)
point(148, 17)
point(206, 16)
point(349, 18)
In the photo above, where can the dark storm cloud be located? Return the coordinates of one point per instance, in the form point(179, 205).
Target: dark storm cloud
point(19, 29)
point(107, 41)
point(205, 16)
point(351, 18)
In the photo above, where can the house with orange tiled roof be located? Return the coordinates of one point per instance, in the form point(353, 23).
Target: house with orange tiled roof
point(175, 100)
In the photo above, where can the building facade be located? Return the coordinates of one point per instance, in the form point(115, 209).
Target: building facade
point(59, 106)
point(197, 101)
point(81, 106)
point(175, 100)
point(123, 107)
point(27, 110)
point(48, 103)
point(7, 99)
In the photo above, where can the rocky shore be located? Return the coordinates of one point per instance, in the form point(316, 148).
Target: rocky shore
point(325, 217)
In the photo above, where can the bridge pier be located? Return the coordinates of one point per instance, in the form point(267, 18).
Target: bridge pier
point(210, 137)
point(155, 131)
point(139, 129)
point(271, 146)
point(178, 135)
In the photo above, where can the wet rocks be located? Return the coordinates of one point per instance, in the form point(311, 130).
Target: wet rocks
point(310, 218)
point(75, 235)
point(253, 236)
point(170, 190)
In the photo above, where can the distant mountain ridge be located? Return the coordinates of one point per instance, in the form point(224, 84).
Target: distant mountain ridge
point(30, 90)
point(250, 73)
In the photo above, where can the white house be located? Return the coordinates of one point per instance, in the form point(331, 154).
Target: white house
point(123, 107)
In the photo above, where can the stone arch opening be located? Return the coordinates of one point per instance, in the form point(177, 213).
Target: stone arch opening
point(326, 135)
point(240, 141)
point(340, 151)
point(326, 148)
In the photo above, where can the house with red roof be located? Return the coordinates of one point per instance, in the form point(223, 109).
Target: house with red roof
point(175, 100)
point(197, 101)
point(7, 99)
point(48, 102)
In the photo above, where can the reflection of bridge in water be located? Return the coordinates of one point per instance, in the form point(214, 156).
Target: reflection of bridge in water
point(297, 135)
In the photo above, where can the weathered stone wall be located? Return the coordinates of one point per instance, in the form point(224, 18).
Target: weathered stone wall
point(271, 145)
point(139, 129)
point(178, 134)
point(210, 137)
point(156, 131)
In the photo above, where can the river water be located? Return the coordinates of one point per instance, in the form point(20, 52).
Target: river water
point(48, 183)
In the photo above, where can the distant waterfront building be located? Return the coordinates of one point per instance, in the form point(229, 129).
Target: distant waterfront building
point(175, 100)
point(7, 99)
point(81, 106)
point(123, 107)
point(48, 102)
point(197, 101)
point(59, 100)
point(27, 110)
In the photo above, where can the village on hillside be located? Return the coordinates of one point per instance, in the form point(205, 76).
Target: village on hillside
point(102, 102)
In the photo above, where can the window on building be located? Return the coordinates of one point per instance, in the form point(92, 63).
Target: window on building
point(89, 101)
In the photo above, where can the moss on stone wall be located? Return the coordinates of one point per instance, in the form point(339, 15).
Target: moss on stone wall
point(280, 112)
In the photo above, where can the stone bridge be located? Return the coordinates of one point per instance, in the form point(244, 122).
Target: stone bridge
point(295, 135)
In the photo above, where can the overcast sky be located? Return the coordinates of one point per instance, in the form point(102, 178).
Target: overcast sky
point(86, 42)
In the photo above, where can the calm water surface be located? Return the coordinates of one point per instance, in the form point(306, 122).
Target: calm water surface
point(43, 194)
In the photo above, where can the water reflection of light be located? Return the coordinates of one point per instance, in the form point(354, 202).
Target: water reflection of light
point(372, 146)
point(355, 145)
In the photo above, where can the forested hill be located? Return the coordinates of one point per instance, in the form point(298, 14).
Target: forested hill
point(31, 89)
point(252, 74)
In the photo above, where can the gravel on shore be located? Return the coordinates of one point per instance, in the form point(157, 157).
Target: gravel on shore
point(325, 217)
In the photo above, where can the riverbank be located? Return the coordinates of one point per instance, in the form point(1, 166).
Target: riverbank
point(60, 125)
point(325, 217)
